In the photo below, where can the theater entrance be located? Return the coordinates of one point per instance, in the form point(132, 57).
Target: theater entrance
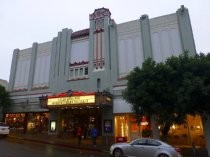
point(72, 109)
point(84, 117)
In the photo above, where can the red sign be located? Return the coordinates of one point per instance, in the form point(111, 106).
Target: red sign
point(121, 139)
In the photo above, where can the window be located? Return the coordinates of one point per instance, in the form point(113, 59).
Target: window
point(140, 142)
point(81, 72)
point(98, 84)
point(153, 142)
point(78, 72)
point(71, 73)
point(121, 126)
point(86, 70)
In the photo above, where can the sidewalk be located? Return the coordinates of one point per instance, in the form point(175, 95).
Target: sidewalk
point(63, 141)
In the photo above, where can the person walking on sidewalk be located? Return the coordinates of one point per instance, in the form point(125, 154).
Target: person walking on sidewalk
point(79, 134)
point(94, 134)
point(85, 131)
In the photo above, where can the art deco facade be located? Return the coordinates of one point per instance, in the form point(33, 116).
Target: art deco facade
point(78, 77)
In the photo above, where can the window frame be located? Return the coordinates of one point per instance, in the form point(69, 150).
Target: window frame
point(78, 72)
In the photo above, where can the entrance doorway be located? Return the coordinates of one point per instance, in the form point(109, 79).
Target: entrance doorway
point(84, 117)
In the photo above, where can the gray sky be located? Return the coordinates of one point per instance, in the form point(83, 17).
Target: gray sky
point(23, 22)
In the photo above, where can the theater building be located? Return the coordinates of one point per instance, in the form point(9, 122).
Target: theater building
point(78, 77)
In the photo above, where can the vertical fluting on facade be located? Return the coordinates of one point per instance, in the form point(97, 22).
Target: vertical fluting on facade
point(185, 30)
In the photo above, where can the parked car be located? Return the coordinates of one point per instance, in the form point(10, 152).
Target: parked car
point(145, 147)
point(4, 129)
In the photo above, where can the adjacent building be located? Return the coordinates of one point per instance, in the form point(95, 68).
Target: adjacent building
point(78, 77)
point(3, 83)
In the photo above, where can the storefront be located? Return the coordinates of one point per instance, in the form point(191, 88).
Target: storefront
point(127, 127)
point(28, 122)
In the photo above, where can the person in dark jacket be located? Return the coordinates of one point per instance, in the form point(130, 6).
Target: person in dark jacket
point(94, 134)
point(79, 134)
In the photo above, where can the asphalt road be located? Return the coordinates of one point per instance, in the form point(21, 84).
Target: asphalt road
point(19, 148)
point(12, 147)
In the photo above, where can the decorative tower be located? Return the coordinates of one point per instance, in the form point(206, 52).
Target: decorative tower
point(99, 21)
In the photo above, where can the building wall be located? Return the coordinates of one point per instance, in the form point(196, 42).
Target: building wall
point(3, 83)
point(166, 40)
point(22, 70)
point(79, 50)
point(124, 46)
point(103, 54)
point(160, 38)
point(42, 65)
point(130, 51)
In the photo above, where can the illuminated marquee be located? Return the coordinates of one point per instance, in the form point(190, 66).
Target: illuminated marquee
point(72, 100)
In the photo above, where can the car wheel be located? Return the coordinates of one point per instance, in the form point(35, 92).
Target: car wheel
point(163, 155)
point(118, 152)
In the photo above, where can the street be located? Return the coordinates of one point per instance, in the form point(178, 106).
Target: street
point(18, 148)
point(13, 147)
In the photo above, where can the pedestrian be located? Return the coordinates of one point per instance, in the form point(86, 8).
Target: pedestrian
point(79, 135)
point(94, 134)
point(85, 131)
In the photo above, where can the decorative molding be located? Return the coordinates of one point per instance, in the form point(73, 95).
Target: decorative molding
point(99, 31)
point(80, 34)
point(77, 79)
point(99, 64)
point(100, 13)
point(20, 90)
point(143, 17)
point(78, 63)
point(99, 24)
point(37, 88)
point(70, 93)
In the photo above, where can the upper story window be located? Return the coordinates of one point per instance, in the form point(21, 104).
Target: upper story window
point(78, 71)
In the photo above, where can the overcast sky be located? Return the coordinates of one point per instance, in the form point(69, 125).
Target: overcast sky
point(23, 22)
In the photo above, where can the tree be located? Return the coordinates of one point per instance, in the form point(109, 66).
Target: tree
point(172, 89)
point(5, 100)
point(194, 90)
point(152, 88)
